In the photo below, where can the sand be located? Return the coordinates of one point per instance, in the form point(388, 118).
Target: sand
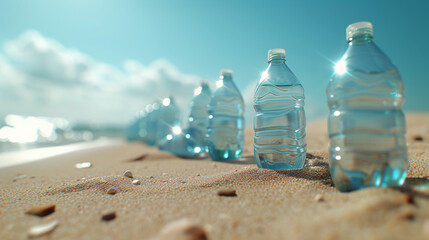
point(299, 204)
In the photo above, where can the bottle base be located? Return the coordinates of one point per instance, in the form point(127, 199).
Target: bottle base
point(277, 161)
point(224, 154)
point(381, 176)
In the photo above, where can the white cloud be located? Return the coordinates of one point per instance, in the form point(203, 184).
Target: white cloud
point(39, 76)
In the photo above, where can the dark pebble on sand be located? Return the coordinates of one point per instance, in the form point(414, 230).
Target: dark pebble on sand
point(108, 216)
point(418, 138)
point(41, 211)
point(227, 193)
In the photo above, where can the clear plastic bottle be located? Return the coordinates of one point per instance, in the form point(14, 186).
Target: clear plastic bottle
point(279, 124)
point(226, 121)
point(180, 143)
point(168, 118)
point(366, 123)
point(198, 116)
point(150, 124)
point(134, 131)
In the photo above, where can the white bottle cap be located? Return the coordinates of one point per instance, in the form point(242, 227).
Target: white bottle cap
point(226, 72)
point(276, 52)
point(358, 28)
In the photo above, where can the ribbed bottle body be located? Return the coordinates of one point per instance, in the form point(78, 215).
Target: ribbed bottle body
point(225, 132)
point(279, 125)
point(366, 123)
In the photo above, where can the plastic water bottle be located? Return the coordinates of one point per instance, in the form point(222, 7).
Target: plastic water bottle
point(279, 124)
point(180, 143)
point(366, 123)
point(225, 130)
point(134, 130)
point(198, 116)
point(149, 127)
point(167, 119)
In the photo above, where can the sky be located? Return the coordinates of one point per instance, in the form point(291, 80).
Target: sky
point(101, 61)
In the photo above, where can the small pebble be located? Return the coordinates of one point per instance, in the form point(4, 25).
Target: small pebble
point(19, 177)
point(83, 165)
point(198, 174)
point(139, 158)
point(164, 174)
point(112, 191)
point(227, 193)
point(319, 198)
point(418, 138)
point(214, 165)
point(183, 229)
point(136, 182)
point(150, 177)
point(43, 229)
point(41, 211)
point(128, 174)
point(108, 216)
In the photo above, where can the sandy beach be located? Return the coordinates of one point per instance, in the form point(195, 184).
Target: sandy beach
point(179, 198)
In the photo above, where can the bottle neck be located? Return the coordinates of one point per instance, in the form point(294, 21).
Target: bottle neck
point(226, 78)
point(360, 39)
point(276, 59)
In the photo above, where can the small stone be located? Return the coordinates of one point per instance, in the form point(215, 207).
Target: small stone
point(227, 193)
point(41, 211)
point(319, 198)
point(164, 174)
point(214, 165)
point(151, 177)
point(198, 174)
point(183, 229)
point(108, 216)
point(43, 229)
point(83, 165)
point(112, 191)
point(136, 182)
point(128, 174)
point(19, 177)
point(139, 158)
point(418, 138)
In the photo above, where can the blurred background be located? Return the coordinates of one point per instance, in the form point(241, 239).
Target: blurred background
point(76, 70)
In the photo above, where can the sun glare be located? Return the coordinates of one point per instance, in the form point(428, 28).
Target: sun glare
point(340, 67)
point(198, 91)
point(177, 130)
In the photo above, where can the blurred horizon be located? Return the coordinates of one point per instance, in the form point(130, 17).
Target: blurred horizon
point(100, 62)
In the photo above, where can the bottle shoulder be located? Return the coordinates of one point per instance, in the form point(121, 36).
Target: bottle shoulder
point(278, 75)
point(366, 57)
point(228, 91)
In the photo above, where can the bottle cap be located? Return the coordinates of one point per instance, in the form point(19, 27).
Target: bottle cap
point(276, 52)
point(226, 72)
point(205, 83)
point(358, 29)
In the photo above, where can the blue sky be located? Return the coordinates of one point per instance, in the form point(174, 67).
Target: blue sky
point(136, 45)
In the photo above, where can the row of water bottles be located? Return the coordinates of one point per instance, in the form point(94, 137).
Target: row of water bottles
point(366, 121)
point(214, 125)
